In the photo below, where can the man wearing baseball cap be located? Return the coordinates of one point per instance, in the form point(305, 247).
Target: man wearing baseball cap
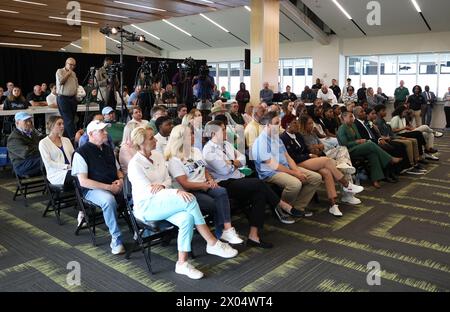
point(23, 146)
point(116, 128)
point(100, 177)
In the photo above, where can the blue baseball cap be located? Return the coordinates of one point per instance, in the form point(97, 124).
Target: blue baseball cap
point(22, 116)
point(107, 110)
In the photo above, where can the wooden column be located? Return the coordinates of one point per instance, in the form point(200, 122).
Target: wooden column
point(264, 45)
point(92, 40)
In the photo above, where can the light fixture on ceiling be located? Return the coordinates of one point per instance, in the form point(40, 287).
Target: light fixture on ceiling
point(176, 27)
point(144, 31)
point(140, 6)
point(221, 27)
point(21, 45)
point(72, 20)
point(348, 16)
point(105, 14)
point(114, 30)
point(419, 10)
point(36, 33)
point(31, 2)
point(124, 34)
point(114, 40)
point(207, 1)
point(62, 49)
point(247, 8)
point(8, 11)
point(76, 46)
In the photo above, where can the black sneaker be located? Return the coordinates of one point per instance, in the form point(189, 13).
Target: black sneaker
point(415, 171)
point(423, 162)
point(299, 213)
point(283, 216)
point(260, 244)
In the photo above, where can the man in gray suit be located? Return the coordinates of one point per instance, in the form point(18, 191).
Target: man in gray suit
point(427, 108)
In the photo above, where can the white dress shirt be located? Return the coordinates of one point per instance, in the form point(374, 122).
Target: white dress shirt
point(218, 158)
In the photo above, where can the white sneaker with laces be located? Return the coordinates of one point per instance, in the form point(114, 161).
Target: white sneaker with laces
point(431, 156)
point(438, 134)
point(188, 269)
point(231, 236)
point(222, 250)
point(348, 198)
point(334, 210)
point(80, 218)
point(117, 250)
point(353, 188)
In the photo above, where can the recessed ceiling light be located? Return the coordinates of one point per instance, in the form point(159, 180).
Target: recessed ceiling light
point(21, 45)
point(247, 8)
point(221, 27)
point(116, 41)
point(176, 27)
point(62, 49)
point(207, 1)
point(101, 13)
point(31, 2)
point(342, 9)
point(8, 11)
point(36, 33)
point(76, 46)
point(416, 6)
point(144, 31)
point(140, 6)
point(72, 20)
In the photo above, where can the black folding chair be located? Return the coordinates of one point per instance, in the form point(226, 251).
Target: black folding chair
point(29, 185)
point(146, 234)
point(60, 198)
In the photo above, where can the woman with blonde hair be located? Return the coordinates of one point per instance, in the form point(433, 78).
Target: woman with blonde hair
point(127, 150)
point(188, 168)
point(155, 199)
point(195, 119)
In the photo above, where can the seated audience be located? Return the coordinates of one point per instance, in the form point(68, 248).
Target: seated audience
point(266, 94)
point(133, 100)
point(15, 100)
point(82, 137)
point(362, 93)
point(288, 113)
point(378, 159)
point(164, 125)
point(350, 96)
point(308, 95)
point(23, 146)
point(288, 95)
point(188, 168)
point(2, 96)
point(330, 122)
point(156, 112)
point(381, 97)
point(154, 199)
point(44, 89)
point(325, 166)
point(137, 117)
point(254, 128)
point(274, 165)
point(127, 151)
point(248, 115)
point(327, 95)
point(328, 139)
point(100, 178)
point(115, 128)
point(37, 97)
point(235, 115)
point(195, 119)
point(371, 98)
point(224, 94)
point(51, 97)
point(169, 96)
point(181, 112)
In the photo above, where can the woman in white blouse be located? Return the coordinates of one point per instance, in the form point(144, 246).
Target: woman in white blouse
point(154, 200)
point(127, 151)
point(187, 166)
point(56, 153)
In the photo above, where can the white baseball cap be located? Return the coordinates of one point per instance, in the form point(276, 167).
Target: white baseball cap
point(96, 125)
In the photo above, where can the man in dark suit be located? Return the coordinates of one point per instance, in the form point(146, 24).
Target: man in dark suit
point(427, 108)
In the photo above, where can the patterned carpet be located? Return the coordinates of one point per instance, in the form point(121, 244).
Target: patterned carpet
point(405, 227)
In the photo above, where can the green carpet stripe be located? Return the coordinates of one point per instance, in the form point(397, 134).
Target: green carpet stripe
point(394, 277)
point(32, 230)
point(51, 270)
point(279, 273)
point(428, 263)
point(349, 217)
point(120, 264)
point(329, 285)
point(300, 236)
point(3, 250)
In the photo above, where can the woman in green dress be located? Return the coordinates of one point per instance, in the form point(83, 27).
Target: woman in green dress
point(378, 159)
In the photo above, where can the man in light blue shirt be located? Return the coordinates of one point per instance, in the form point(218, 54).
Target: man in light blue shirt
point(134, 97)
point(274, 165)
point(266, 95)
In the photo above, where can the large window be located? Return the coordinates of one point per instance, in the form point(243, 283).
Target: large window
point(386, 71)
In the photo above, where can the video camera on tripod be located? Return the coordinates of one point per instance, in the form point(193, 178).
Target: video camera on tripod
point(113, 69)
point(188, 66)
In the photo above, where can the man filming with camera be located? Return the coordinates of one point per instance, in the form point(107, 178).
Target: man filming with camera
point(107, 81)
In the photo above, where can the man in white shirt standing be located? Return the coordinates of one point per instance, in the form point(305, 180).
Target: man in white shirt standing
point(327, 95)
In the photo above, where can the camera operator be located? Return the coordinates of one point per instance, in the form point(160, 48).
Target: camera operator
point(106, 83)
point(169, 97)
point(205, 88)
point(183, 82)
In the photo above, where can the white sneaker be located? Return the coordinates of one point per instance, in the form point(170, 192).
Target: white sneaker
point(119, 249)
point(187, 269)
point(231, 236)
point(348, 198)
point(222, 250)
point(353, 188)
point(431, 156)
point(80, 218)
point(438, 134)
point(334, 210)
point(346, 168)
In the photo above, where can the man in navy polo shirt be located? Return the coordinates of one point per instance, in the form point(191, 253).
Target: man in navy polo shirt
point(100, 177)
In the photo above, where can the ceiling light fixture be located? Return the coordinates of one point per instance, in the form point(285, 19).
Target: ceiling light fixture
point(72, 20)
point(140, 6)
point(416, 6)
point(76, 46)
point(8, 11)
point(207, 18)
point(207, 1)
point(62, 49)
point(144, 31)
point(176, 27)
point(21, 45)
point(342, 9)
point(105, 14)
point(36, 33)
point(116, 41)
point(247, 8)
point(30, 2)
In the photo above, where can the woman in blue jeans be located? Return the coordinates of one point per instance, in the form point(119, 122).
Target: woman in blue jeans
point(187, 166)
point(154, 200)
